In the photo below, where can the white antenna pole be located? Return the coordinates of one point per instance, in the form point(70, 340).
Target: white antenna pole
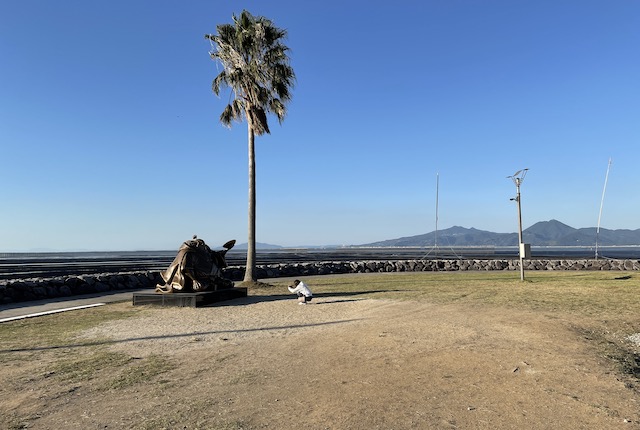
point(606, 178)
point(437, 190)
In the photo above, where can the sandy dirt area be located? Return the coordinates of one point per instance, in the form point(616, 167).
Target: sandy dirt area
point(337, 363)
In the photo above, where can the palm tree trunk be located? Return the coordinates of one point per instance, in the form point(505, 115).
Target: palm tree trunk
point(249, 274)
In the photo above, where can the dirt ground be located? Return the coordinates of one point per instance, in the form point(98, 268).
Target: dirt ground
point(337, 363)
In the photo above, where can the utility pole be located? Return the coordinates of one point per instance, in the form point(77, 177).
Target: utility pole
point(518, 178)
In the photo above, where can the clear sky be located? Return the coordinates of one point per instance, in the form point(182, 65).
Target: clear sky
point(110, 138)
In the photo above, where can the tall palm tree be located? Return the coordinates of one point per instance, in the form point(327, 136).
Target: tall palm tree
point(256, 68)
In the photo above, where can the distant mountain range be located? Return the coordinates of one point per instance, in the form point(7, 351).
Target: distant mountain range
point(259, 245)
point(544, 233)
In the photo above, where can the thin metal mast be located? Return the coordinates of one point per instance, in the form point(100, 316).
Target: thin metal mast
point(606, 178)
point(437, 190)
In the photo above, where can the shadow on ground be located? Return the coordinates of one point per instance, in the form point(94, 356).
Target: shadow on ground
point(277, 297)
point(172, 336)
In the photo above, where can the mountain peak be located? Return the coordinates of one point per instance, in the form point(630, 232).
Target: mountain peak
point(543, 233)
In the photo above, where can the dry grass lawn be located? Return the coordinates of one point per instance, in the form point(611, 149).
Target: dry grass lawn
point(447, 350)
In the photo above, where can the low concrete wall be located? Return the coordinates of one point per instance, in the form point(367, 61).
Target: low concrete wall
point(38, 289)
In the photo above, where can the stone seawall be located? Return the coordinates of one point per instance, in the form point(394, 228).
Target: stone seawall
point(40, 288)
point(327, 268)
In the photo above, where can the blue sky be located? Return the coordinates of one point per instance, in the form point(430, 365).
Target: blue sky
point(110, 138)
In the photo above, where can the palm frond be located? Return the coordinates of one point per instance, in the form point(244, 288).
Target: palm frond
point(226, 117)
point(234, 111)
point(259, 120)
point(278, 108)
point(219, 82)
point(256, 68)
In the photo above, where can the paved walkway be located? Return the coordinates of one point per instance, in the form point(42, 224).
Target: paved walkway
point(14, 311)
point(20, 310)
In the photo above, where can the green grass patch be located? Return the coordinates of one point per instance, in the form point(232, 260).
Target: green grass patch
point(595, 294)
point(80, 369)
point(141, 371)
point(58, 329)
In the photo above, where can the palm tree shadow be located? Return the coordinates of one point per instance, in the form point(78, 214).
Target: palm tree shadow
point(277, 297)
point(340, 297)
point(186, 334)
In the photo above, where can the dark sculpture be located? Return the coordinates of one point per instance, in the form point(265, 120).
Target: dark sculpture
point(196, 268)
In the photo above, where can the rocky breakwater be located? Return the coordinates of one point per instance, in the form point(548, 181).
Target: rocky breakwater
point(65, 286)
point(378, 266)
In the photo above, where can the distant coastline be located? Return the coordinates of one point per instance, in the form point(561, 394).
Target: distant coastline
point(543, 234)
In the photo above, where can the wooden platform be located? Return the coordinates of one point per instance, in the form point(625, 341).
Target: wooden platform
point(192, 300)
